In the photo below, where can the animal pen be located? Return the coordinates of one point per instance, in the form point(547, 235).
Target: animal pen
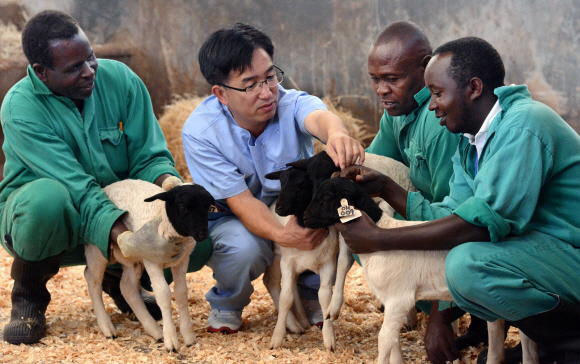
point(322, 46)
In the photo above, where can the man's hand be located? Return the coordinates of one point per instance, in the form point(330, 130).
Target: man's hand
point(359, 234)
point(145, 243)
point(439, 343)
point(372, 181)
point(344, 150)
point(295, 236)
point(171, 182)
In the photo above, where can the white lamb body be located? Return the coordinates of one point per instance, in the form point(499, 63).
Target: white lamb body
point(288, 264)
point(399, 278)
point(130, 195)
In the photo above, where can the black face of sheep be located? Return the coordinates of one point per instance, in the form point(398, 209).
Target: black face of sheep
point(187, 206)
point(295, 194)
point(319, 167)
point(323, 210)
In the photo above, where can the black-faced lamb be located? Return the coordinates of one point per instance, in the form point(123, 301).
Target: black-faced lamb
point(295, 195)
point(183, 213)
point(398, 278)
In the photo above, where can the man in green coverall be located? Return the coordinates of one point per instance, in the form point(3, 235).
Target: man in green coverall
point(511, 219)
point(69, 131)
point(411, 134)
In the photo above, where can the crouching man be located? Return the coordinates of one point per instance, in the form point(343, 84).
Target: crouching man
point(511, 219)
point(69, 131)
point(249, 127)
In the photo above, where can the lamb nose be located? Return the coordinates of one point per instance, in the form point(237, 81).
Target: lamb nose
point(201, 235)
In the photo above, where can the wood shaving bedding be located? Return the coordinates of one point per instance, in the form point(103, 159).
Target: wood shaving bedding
point(74, 337)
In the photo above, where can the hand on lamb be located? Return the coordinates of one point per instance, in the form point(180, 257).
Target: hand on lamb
point(344, 150)
point(295, 236)
point(171, 182)
point(439, 343)
point(146, 243)
point(372, 181)
point(360, 234)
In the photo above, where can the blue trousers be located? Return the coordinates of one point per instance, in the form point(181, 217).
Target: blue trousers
point(513, 279)
point(239, 257)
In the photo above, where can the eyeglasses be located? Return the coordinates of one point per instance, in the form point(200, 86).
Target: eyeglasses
point(256, 88)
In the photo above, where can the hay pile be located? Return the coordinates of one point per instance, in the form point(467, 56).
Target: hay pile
point(73, 335)
point(10, 41)
point(176, 113)
point(171, 123)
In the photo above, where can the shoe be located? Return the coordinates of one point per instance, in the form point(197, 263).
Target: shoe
point(111, 286)
point(30, 298)
point(313, 312)
point(227, 322)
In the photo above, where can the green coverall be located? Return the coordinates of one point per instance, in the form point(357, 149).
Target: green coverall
point(57, 161)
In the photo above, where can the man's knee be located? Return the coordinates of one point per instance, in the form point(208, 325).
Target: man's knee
point(463, 268)
point(47, 199)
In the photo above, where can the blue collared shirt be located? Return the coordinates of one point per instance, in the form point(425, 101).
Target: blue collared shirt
point(226, 159)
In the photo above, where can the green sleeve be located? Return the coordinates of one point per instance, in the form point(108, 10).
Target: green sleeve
point(147, 149)
point(47, 156)
point(385, 142)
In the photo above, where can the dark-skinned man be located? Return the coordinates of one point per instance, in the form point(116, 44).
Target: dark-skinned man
point(409, 133)
point(511, 218)
point(69, 131)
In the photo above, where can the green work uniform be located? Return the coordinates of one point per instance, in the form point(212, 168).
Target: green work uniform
point(526, 191)
point(419, 142)
point(57, 161)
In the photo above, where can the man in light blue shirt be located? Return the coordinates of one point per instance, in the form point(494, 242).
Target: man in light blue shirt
point(250, 127)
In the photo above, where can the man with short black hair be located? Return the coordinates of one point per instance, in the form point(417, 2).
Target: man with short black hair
point(409, 133)
point(511, 218)
point(69, 131)
point(249, 127)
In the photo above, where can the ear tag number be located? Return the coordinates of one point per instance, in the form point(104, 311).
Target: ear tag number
point(346, 212)
point(213, 208)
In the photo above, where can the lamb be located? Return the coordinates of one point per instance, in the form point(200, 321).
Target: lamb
point(397, 278)
point(294, 197)
point(298, 184)
point(183, 214)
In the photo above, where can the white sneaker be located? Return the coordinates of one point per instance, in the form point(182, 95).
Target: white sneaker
point(313, 312)
point(228, 322)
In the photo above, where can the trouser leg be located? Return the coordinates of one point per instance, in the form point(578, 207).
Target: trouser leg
point(238, 258)
point(515, 278)
point(43, 222)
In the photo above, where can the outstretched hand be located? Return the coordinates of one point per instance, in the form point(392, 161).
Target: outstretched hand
point(344, 150)
point(359, 234)
point(371, 181)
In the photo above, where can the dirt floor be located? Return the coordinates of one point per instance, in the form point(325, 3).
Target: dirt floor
point(73, 335)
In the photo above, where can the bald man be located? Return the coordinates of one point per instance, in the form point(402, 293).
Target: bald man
point(411, 134)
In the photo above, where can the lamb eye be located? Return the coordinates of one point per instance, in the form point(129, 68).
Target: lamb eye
point(182, 208)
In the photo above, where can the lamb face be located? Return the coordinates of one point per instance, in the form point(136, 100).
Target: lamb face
point(187, 206)
point(323, 210)
point(295, 194)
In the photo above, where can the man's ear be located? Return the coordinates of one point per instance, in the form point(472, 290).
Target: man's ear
point(425, 61)
point(474, 88)
point(220, 93)
point(40, 71)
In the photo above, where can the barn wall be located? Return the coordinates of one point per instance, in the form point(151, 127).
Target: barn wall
point(322, 44)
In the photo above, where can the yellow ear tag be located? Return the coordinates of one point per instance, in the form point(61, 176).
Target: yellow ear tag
point(346, 212)
point(212, 208)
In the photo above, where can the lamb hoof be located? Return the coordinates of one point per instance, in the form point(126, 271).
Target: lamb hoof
point(275, 343)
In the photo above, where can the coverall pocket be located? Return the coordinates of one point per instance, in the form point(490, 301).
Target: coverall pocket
point(115, 148)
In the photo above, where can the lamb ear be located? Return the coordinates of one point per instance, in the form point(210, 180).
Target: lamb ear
point(274, 175)
point(299, 164)
point(163, 196)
